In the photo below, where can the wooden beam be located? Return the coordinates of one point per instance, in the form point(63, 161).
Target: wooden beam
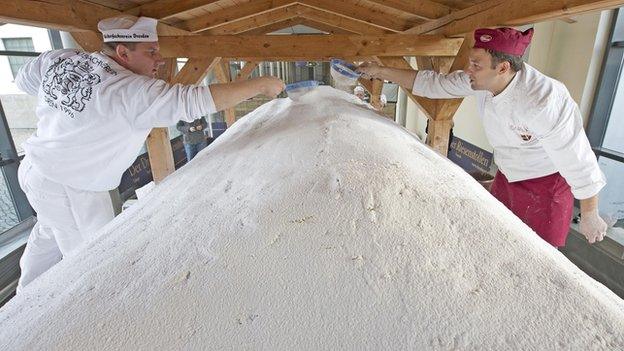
point(264, 19)
point(327, 28)
point(438, 135)
point(446, 108)
point(273, 27)
point(195, 70)
point(510, 12)
point(299, 58)
point(375, 93)
point(308, 45)
point(158, 144)
point(161, 9)
point(222, 72)
point(424, 9)
point(71, 16)
point(233, 13)
point(88, 41)
point(351, 10)
point(342, 22)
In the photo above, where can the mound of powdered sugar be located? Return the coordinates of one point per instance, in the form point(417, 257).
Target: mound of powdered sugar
point(315, 225)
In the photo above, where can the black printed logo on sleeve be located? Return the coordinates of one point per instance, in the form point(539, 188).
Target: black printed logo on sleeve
point(71, 83)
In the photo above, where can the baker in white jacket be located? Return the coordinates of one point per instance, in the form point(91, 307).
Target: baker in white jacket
point(94, 112)
point(534, 126)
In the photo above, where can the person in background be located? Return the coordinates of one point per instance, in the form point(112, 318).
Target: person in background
point(359, 92)
point(193, 136)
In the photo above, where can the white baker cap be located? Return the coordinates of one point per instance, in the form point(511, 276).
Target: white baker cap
point(358, 89)
point(128, 29)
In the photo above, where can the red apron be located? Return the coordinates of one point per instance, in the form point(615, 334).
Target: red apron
point(544, 204)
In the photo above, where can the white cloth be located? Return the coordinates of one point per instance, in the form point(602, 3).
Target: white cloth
point(95, 115)
point(128, 29)
point(66, 219)
point(534, 126)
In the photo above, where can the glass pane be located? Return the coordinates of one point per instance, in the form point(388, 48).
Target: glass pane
point(18, 106)
point(8, 215)
point(612, 196)
point(614, 135)
point(18, 44)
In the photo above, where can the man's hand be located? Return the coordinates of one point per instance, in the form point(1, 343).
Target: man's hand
point(592, 226)
point(369, 69)
point(270, 86)
point(192, 129)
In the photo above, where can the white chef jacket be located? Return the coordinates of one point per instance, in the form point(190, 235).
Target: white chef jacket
point(534, 126)
point(94, 115)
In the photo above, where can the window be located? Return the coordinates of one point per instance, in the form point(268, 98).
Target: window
point(18, 44)
point(606, 128)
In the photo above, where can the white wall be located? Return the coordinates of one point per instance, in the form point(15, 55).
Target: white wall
point(569, 52)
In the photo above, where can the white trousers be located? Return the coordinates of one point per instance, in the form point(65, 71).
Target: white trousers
point(66, 219)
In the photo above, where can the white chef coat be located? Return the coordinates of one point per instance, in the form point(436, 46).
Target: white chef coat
point(534, 126)
point(94, 115)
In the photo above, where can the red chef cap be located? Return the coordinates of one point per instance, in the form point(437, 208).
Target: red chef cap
point(505, 40)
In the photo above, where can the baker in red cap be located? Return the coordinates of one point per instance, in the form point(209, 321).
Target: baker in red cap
point(534, 126)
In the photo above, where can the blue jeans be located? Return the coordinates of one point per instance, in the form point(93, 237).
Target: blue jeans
point(192, 149)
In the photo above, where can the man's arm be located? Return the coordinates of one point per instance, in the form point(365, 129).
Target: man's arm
point(559, 129)
point(428, 84)
point(227, 95)
point(148, 102)
point(403, 77)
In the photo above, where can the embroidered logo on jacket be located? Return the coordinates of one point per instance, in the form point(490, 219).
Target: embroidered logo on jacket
point(72, 82)
point(522, 131)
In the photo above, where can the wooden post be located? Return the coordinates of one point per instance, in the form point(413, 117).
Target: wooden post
point(438, 135)
point(158, 144)
point(375, 94)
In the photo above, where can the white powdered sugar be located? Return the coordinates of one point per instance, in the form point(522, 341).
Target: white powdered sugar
point(315, 225)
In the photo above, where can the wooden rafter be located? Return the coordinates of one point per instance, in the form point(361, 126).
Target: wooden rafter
point(424, 9)
point(261, 20)
point(71, 16)
point(351, 10)
point(300, 58)
point(88, 41)
point(162, 9)
point(273, 27)
point(328, 28)
point(233, 13)
point(309, 45)
point(342, 22)
point(509, 12)
point(195, 70)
